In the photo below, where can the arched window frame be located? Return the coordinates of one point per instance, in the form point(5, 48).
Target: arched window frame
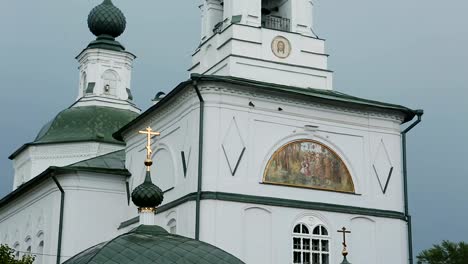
point(84, 82)
point(172, 226)
point(308, 246)
point(27, 242)
point(40, 248)
point(16, 247)
point(110, 82)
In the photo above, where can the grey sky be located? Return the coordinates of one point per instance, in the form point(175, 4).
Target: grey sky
point(408, 52)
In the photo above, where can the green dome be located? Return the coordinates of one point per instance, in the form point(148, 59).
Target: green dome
point(153, 245)
point(86, 123)
point(147, 194)
point(106, 19)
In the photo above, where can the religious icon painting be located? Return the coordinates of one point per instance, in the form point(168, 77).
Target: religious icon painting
point(281, 47)
point(308, 164)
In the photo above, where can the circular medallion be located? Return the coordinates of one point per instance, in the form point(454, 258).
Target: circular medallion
point(281, 47)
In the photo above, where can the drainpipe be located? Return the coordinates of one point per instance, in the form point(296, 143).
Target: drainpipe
point(200, 159)
point(62, 200)
point(419, 114)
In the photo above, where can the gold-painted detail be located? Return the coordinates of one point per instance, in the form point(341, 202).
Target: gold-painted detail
point(147, 210)
point(345, 246)
point(308, 164)
point(150, 134)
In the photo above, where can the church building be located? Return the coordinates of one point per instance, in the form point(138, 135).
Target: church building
point(255, 159)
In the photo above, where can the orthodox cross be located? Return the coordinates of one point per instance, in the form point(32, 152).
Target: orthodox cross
point(150, 134)
point(344, 231)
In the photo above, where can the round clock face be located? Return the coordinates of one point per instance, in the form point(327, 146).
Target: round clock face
point(281, 47)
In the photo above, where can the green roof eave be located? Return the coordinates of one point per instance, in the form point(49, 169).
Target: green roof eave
point(315, 95)
point(328, 96)
point(25, 146)
point(56, 171)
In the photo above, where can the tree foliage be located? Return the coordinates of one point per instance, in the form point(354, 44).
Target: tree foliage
point(445, 253)
point(7, 256)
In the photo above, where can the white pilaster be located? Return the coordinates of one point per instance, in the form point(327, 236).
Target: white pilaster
point(147, 217)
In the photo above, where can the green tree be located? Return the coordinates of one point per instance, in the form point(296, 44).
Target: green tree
point(7, 256)
point(445, 253)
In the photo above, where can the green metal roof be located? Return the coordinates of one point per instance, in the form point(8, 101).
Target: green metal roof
point(114, 160)
point(153, 245)
point(310, 94)
point(85, 123)
point(81, 124)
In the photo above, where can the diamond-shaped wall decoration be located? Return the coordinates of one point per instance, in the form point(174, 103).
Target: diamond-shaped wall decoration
point(186, 149)
point(233, 146)
point(383, 167)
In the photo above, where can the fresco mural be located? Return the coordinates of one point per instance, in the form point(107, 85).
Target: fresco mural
point(309, 164)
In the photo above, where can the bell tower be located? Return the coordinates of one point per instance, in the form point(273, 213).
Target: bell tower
point(264, 40)
point(105, 66)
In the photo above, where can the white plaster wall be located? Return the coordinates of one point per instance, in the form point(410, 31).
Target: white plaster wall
point(94, 208)
point(355, 135)
point(95, 62)
point(236, 227)
point(246, 52)
point(37, 158)
point(178, 125)
point(36, 216)
point(263, 129)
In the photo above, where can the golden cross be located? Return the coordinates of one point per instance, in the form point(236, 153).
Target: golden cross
point(344, 231)
point(150, 134)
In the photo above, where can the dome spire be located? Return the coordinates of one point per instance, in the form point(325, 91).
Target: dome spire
point(147, 196)
point(106, 22)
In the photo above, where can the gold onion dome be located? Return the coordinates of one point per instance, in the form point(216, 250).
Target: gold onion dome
point(147, 195)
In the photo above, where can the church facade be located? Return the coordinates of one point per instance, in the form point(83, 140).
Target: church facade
point(257, 154)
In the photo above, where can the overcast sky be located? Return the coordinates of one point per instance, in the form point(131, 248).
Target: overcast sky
point(407, 52)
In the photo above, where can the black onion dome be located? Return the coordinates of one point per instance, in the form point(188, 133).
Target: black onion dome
point(106, 19)
point(147, 194)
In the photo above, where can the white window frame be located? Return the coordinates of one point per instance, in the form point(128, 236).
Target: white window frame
point(310, 236)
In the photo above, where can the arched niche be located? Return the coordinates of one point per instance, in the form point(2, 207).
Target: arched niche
point(308, 164)
point(163, 170)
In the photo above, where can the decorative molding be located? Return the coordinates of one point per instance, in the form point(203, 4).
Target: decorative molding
point(382, 166)
point(233, 146)
point(278, 202)
point(245, 91)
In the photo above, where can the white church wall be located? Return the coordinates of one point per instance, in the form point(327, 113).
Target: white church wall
point(306, 66)
point(245, 229)
point(33, 219)
point(36, 159)
point(178, 125)
point(263, 129)
point(94, 208)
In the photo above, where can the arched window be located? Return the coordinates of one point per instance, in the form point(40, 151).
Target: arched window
point(110, 78)
point(311, 247)
point(84, 82)
point(40, 248)
point(40, 253)
point(16, 247)
point(276, 14)
point(172, 225)
point(28, 245)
